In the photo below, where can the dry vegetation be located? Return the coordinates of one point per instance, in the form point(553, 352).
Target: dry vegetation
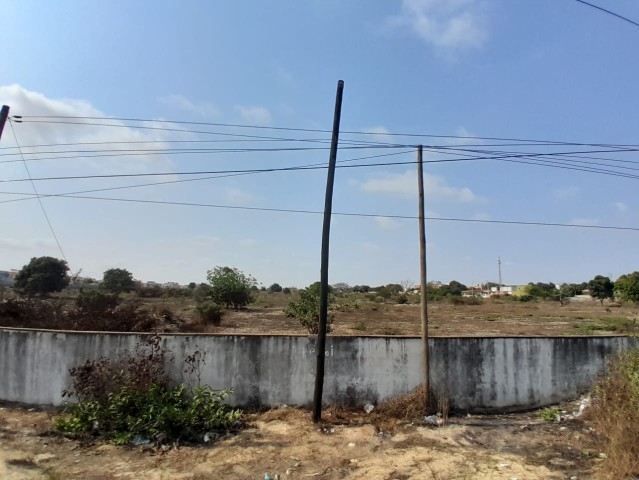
point(355, 314)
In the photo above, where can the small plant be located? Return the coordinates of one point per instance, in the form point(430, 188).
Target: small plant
point(210, 312)
point(550, 414)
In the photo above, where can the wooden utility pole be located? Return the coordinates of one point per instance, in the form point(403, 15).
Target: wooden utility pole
point(422, 274)
point(4, 114)
point(328, 207)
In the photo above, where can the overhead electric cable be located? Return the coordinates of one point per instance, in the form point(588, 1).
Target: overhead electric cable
point(351, 132)
point(621, 17)
point(38, 197)
point(122, 187)
point(356, 214)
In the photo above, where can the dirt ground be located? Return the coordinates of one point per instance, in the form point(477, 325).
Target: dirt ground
point(285, 441)
point(491, 318)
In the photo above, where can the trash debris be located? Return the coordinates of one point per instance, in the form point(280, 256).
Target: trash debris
point(351, 444)
point(369, 407)
point(433, 420)
point(140, 440)
point(267, 476)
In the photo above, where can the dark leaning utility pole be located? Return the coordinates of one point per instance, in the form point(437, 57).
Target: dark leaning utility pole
point(328, 207)
point(422, 273)
point(4, 114)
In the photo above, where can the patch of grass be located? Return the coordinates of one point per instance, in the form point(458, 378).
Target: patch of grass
point(608, 324)
point(550, 414)
point(360, 326)
point(492, 318)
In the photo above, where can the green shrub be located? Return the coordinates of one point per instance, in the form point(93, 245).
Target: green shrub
point(210, 312)
point(131, 396)
point(307, 309)
point(96, 302)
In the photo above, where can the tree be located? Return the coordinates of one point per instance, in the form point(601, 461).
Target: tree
point(341, 287)
point(361, 288)
point(42, 275)
point(546, 291)
point(601, 288)
point(306, 309)
point(627, 287)
point(118, 280)
point(231, 287)
point(275, 288)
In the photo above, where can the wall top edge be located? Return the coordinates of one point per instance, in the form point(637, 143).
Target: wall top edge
point(301, 335)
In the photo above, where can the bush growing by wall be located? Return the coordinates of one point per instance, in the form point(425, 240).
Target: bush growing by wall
point(615, 414)
point(130, 397)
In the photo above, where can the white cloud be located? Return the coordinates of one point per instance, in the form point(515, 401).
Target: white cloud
point(584, 221)
point(254, 115)
point(446, 24)
point(621, 207)
point(29, 103)
point(237, 196)
point(404, 185)
point(564, 193)
point(207, 240)
point(180, 102)
point(16, 244)
point(386, 223)
point(380, 133)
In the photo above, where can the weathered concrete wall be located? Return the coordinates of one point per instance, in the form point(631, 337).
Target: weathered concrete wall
point(477, 374)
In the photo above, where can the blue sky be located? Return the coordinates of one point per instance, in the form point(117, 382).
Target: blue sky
point(543, 70)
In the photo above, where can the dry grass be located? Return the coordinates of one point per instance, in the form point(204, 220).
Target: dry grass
point(615, 416)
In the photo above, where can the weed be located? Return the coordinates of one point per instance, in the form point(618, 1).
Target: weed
point(550, 414)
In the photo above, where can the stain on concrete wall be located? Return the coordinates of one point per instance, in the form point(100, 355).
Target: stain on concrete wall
point(477, 374)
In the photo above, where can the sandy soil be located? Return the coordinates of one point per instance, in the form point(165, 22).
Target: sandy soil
point(518, 446)
point(488, 319)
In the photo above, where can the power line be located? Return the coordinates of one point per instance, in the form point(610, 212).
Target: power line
point(355, 214)
point(534, 157)
point(230, 125)
point(198, 151)
point(621, 17)
point(122, 187)
point(38, 196)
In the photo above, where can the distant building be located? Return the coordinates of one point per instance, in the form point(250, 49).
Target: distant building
point(7, 277)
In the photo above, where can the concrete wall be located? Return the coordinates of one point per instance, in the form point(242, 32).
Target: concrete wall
point(477, 374)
